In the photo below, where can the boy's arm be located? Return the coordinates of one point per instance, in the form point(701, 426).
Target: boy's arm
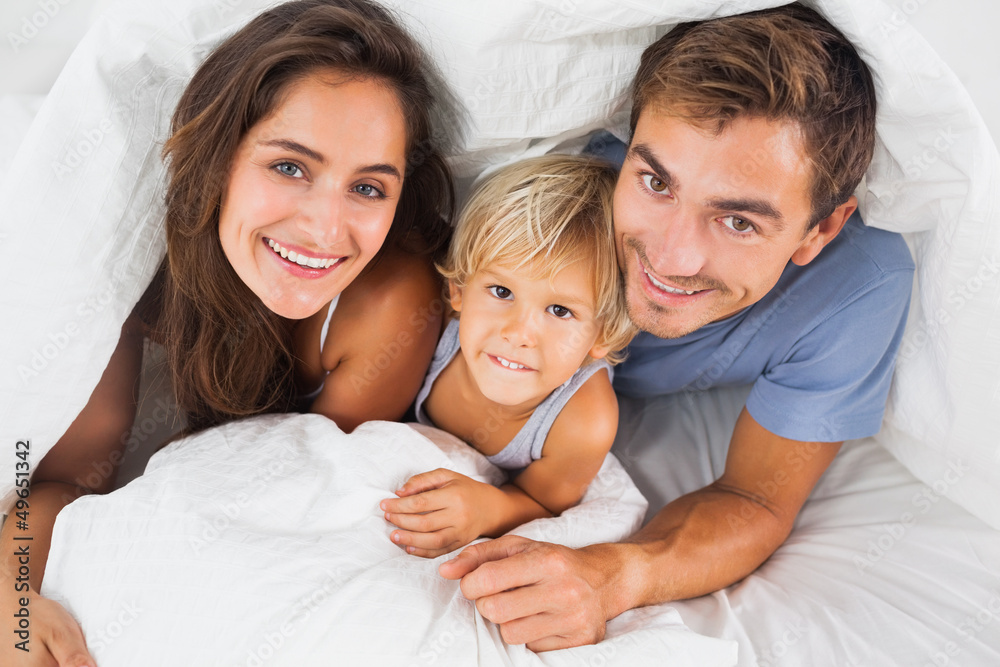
point(442, 510)
point(575, 448)
point(549, 596)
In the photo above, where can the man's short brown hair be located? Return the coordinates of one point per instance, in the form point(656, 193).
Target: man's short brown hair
point(782, 64)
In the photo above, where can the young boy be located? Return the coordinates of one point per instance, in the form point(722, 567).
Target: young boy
point(524, 372)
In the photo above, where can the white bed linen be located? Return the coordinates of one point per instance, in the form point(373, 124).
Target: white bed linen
point(881, 570)
point(526, 77)
point(262, 542)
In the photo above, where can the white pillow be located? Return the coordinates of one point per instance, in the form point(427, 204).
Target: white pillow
point(526, 76)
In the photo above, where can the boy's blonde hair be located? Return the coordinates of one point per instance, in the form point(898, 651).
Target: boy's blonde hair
point(555, 209)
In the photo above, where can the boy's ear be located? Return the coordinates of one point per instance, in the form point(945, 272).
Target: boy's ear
point(825, 231)
point(599, 351)
point(455, 296)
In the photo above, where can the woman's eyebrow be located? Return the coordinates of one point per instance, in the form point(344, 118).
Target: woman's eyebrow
point(296, 147)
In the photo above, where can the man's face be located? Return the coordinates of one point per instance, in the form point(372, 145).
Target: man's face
point(704, 223)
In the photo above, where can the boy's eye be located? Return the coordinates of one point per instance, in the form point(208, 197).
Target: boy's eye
point(562, 312)
point(499, 291)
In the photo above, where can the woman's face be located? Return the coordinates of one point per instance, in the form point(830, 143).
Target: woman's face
point(312, 191)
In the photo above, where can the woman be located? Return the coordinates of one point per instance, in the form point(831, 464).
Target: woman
point(306, 198)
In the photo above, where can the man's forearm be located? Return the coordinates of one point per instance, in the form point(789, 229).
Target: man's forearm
point(698, 544)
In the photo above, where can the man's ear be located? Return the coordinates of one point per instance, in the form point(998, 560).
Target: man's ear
point(455, 296)
point(825, 231)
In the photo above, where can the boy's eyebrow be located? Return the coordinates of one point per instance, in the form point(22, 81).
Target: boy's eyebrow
point(296, 147)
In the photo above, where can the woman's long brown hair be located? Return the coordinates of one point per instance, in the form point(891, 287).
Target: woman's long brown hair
point(228, 354)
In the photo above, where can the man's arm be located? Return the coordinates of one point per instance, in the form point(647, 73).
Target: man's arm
point(550, 597)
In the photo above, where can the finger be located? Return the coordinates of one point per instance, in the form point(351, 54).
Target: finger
point(511, 605)
point(426, 481)
point(473, 557)
point(527, 616)
point(436, 540)
point(429, 553)
point(420, 523)
point(66, 643)
point(421, 503)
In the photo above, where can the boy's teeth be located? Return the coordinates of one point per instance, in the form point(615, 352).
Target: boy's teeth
point(510, 364)
point(301, 260)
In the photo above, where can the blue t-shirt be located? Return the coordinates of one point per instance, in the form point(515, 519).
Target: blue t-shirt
point(819, 348)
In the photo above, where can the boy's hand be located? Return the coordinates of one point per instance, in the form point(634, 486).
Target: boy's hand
point(440, 511)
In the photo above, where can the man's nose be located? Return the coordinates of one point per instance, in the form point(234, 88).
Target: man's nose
point(681, 249)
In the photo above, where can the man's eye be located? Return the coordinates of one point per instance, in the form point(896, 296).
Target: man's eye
point(562, 312)
point(499, 291)
point(653, 183)
point(737, 224)
point(289, 169)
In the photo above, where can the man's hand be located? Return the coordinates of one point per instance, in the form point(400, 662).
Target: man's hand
point(440, 511)
point(543, 595)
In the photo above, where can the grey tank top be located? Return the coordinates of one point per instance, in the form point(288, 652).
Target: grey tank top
point(527, 444)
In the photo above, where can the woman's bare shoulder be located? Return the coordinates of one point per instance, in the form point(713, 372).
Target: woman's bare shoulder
point(398, 278)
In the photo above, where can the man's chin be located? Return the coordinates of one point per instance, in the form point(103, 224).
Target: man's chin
point(662, 323)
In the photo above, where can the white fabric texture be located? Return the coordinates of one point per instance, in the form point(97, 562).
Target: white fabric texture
point(526, 77)
point(881, 570)
point(262, 542)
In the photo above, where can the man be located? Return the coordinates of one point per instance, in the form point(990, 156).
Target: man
point(733, 219)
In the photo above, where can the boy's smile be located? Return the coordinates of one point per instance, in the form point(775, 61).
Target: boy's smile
point(523, 335)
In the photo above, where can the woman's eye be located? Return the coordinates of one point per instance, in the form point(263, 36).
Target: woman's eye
point(737, 224)
point(654, 184)
point(368, 190)
point(562, 312)
point(500, 292)
point(289, 169)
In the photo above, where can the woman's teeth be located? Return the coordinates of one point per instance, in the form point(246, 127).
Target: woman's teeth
point(301, 260)
point(510, 364)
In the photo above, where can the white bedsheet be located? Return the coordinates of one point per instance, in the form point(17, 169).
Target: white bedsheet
point(881, 570)
point(262, 542)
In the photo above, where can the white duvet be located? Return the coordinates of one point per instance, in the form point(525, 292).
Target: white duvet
point(261, 542)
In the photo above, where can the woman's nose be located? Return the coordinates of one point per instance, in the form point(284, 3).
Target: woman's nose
point(322, 218)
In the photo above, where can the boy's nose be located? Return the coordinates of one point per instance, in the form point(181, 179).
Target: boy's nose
point(520, 329)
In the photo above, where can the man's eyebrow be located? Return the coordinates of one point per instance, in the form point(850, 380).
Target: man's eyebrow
point(759, 207)
point(646, 153)
point(296, 147)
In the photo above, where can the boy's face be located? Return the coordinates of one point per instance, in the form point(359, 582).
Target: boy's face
point(523, 336)
point(705, 224)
